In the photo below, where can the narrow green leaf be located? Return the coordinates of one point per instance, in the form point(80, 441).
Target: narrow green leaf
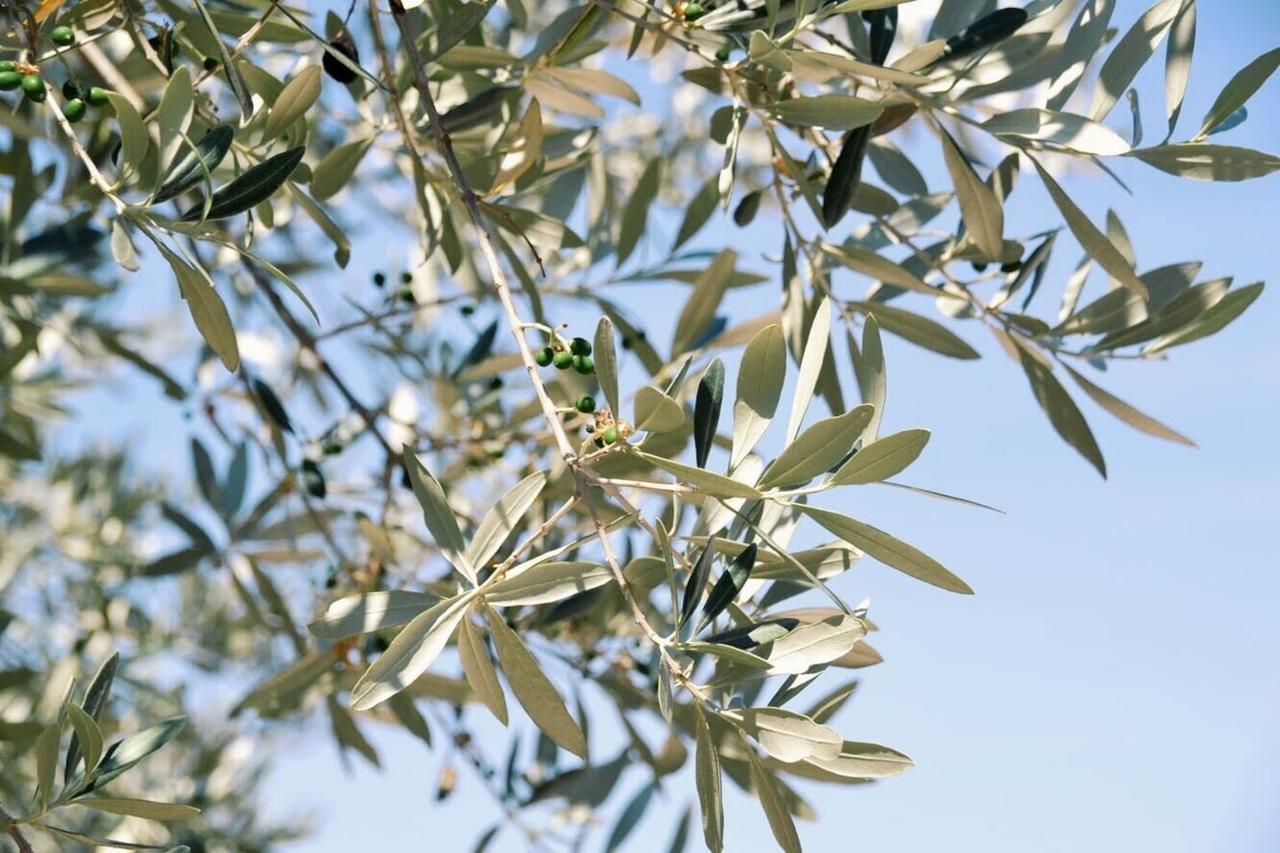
point(707, 779)
point(1212, 321)
point(704, 481)
point(1129, 55)
point(729, 584)
point(761, 375)
point(298, 96)
point(504, 517)
point(95, 702)
point(775, 808)
point(46, 752)
point(127, 753)
point(1061, 130)
point(700, 308)
point(369, 612)
point(1200, 161)
point(1097, 244)
point(1127, 413)
point(817, 343)
point(207, 309)
point(883, 458)
point(606, 359)
point(1062, 411)
point(706, 410)
point(833, 112)
point(917, 329)
point(478, 669)
point(147, 809)
point(548, 582)
point(192, 168)
point(88, 736)
point(630, 817)
point(134, 140)
point(818, 449)
point(1177, 62)
point(697, 582)
point(438, 516)
point(980, 208)
point(869, 369)
point(1239, 90)
point(540, 699)
point(656, 412)
point(410, 654)
point(173, 115)
point(255, 185)
point(699, 210)
point(788, 736)
point(888, 550)
point(335, 169)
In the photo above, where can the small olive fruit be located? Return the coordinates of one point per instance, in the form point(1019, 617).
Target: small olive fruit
point(583, 364)
point(211, 63)
point(33, 85)
point(580, 346)
point(97, 97)
point(563, 359)
point(10, 80)
point(544, 356)
point(467, 310)
point(379, 278)
point(71, 89)
point(74, 110)
point(7, 65)
point(406, 277)
point(693, 11)
point(63, 36)
point(610, 434)
point(586, 404)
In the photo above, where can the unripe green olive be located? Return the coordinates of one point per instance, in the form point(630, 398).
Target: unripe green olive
point(7, 65)
point(693, 11)
point(610, 435)
point(586, 404)
point(63, 36)
point(544, 356)
point(74, 110)
point(10, 80)
point(98, 97)
point(563, 360)
point(583, 364)
point(33, 83)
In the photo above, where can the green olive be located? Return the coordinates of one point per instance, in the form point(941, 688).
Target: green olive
point(583, 364)
point(586, 404)
point(33, 84)
point(563, 359)
point(7, 65)
point(610, 435)
point(544, 356)
point(10, 80)
point(74, 110)
point(98, 97)
point(63, 36)
point(693, 11)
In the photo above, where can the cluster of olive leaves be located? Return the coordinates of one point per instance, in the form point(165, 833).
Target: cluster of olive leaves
point(666, 585)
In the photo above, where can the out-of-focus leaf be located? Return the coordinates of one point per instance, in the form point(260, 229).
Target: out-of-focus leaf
point(833, 112)
point(1177, 64)
point(700, 308)
point(369, 612)
point(775, 809)
point(636, 212)
point(630, 817)
point(335, 169)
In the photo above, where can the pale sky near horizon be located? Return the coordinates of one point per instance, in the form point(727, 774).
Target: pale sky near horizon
point(1113, 684)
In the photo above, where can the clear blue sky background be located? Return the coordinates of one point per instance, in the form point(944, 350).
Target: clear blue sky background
point(1113, 685)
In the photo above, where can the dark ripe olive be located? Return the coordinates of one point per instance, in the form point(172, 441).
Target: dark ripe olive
point(495, 383)
point(580, 346)
point(379, 278)
point(334, 67)
point(211, 63)
point(467, 310)
point(406, 278)
point(71, 89)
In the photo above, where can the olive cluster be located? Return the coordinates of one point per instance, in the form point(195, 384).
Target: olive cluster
point(25, 76)
point(577, 354)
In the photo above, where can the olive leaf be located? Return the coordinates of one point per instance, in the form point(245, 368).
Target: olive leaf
point(253, 186)
point(706, 410)
point(438, 515)
point(95, 702)
point(1062, 410)
point(298, 96)
point(728, 585)
point(335, 169)
point(696, 582)
point(708, 782)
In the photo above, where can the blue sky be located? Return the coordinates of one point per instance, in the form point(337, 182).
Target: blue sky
point(1113, 684)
